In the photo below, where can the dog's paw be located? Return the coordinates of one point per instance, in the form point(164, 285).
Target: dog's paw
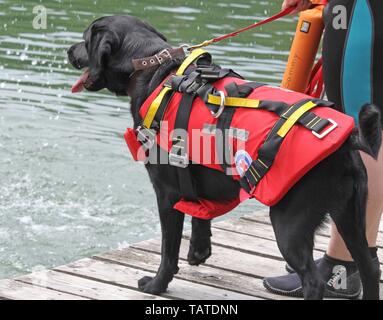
point(198, 256)
point(151, 285)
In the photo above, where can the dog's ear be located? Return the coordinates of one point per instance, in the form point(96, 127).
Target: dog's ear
point(100, 43)
point(152, 29)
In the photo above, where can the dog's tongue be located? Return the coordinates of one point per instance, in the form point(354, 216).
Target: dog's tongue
point(79, 85)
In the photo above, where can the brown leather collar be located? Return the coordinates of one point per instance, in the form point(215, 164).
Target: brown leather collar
point(158, 59)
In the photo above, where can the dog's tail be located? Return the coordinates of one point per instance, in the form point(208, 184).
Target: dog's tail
point(368, 137)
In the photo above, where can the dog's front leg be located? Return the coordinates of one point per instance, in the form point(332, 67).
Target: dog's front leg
point(200, 243)
point(171, 226)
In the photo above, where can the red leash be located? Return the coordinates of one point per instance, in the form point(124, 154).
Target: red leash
point(316, 84)
point(255, 25)
point(279, 15)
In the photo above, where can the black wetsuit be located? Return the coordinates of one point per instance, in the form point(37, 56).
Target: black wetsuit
point(353, 57)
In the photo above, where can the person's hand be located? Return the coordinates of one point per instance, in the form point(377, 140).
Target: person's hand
point(299, 4)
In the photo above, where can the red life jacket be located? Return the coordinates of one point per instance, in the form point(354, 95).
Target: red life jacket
point(251, 130)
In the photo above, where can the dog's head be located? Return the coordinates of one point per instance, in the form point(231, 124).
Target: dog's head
point(110, 44)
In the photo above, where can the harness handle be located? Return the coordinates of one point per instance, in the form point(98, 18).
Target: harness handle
point(217, 114)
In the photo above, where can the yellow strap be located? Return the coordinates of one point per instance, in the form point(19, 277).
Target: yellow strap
point(194, 55)
point(292, 120)
point(234, 102)
point(154, 107)
point(152, 111)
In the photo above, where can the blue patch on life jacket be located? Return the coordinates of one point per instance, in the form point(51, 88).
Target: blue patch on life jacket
point(242, 162)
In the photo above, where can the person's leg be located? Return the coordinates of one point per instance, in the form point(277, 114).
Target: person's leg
point(337, 249)
point(375, 198)
point(346, 62)
point(353, 75)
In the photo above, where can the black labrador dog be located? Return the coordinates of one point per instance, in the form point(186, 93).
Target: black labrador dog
point(338, 185)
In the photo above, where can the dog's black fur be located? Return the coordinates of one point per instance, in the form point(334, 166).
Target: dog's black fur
point(338, 185)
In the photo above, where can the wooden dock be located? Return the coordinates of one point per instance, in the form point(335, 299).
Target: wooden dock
point(244, 251)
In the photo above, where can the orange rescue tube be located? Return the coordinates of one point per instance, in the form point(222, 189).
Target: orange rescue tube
point(304, 49)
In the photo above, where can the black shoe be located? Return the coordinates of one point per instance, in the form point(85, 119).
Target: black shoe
point(290, 285)
point(289, 268)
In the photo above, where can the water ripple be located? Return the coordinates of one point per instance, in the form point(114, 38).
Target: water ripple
point(69, 188)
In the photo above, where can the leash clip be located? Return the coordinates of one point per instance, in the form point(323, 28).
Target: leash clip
point(334, 125)
point(217, 114)
point(187, 48)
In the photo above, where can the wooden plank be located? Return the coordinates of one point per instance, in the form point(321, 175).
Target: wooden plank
point(148, 260)
point(249, 244)
point(261, 230)
point(229, 259)
point(83, 287)
point(203, 274)
point(324, 231)
point(259, 216)
point(265, 219)
point(14, 290)
point(116, 274)
point(231, 281)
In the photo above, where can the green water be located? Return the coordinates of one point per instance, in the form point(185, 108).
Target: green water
point(68, 186)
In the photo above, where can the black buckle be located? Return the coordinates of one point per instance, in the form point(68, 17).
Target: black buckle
point(194, 86)
point(210, 73)
point(146, 136)
point(191, 83)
